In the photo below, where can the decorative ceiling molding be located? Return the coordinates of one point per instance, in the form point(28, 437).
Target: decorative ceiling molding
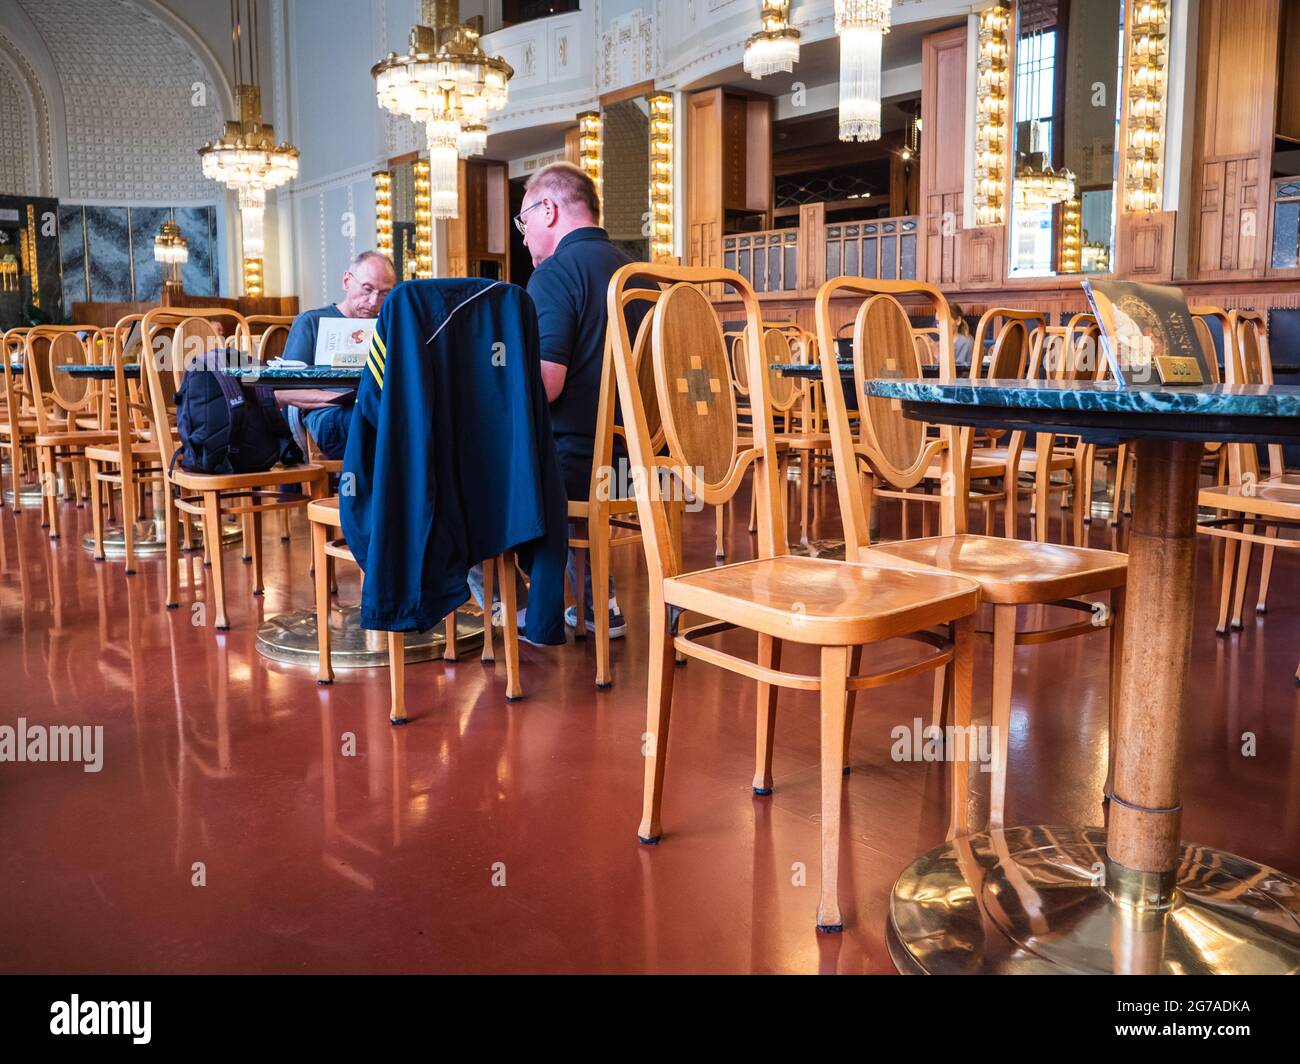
point(24, 126)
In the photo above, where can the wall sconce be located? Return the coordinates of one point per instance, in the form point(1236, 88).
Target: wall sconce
point(590, 135)
point(423, 219)
point(661, 177)
point(992, 116)
point(1070, 260)
point(383, 212)
point(1145, 93)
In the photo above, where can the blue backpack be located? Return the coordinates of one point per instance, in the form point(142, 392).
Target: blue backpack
point(225, 430)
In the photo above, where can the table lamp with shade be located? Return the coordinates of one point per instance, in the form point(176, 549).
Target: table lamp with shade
point(171, 249)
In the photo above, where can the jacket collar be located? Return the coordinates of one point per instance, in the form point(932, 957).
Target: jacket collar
point(574, 236)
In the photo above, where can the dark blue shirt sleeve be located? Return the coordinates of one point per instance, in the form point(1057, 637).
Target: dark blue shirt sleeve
point(301, 345)
point(557, 315)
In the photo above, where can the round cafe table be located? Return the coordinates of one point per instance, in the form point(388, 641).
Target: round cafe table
point(1132, 898)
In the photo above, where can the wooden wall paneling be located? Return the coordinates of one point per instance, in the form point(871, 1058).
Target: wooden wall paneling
point(943, 167)
point(812, 237)
point(571, 148)
point(983, 257)
point(758, 157)
point(1236, 105)
point(1288, 86)
point(704, 194)
point(478, 232)
point(1144, 246)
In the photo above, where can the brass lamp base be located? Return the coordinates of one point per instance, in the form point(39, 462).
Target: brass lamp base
point(291, 638)
point(1041, 900)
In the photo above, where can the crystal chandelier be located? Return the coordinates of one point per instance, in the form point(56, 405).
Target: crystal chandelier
point(246, 158)
point(775, 47)
point(1037, 184)
point(448, 84)
point(861, 26)
point(173, 251)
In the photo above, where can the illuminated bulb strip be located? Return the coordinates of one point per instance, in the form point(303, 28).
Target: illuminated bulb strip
point(383, 212)
point(590, 154)
point(423, 220)
point(1071, 237)
point(992, 116)
point(1145, 97)
point(252, 276)
point(661, 178)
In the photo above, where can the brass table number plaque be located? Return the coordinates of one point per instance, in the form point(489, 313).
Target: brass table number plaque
point(1179, 369)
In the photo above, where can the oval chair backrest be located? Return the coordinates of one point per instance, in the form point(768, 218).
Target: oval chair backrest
point(883, 348)
point(1204, 320)
point(1010, 352)
point(1081, 353)
point(783, 391)
point(697, 406)
point(1253, 365)
point(55, 394)
point(739, 365)
point(645, 373)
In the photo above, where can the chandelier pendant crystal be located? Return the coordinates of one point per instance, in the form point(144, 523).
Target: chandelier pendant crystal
point(775, 47)
point(861, 26)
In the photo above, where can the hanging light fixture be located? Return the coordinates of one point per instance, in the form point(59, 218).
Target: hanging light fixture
point(246, 158)
point(775, 47)
point(444, 80)
point(173, 251)
point(1037, 184)
point(861, 26)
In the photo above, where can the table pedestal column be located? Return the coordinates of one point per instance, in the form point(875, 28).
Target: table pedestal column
point(1041, 899)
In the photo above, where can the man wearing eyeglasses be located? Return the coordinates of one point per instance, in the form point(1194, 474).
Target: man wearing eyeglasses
point(574, 260)
point(324, 413)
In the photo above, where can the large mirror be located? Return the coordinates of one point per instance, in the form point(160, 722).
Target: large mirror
point(625, 159)
point(1066, 96)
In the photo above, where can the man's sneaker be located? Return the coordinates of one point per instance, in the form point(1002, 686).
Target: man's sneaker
point(617, 625)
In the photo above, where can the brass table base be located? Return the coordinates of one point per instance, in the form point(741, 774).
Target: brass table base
point(1033, 901)
point(291, 638)
point(151, 538)
point(30, 494)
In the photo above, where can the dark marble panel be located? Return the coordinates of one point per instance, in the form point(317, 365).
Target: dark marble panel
point(73, 251)
point(201, 272)
point(107, 241)
point(46, 212)
point(145, 223)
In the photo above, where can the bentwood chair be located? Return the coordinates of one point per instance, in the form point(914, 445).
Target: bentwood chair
point(832, 606)
point(327, 544)
point(17, 416)
point(60, 400)
point(131, 461)
point(269, 333)
point(1252, 499)
point(209, 495)
point(1010, 573)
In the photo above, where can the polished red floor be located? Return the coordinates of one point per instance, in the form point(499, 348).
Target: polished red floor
point(489, 836)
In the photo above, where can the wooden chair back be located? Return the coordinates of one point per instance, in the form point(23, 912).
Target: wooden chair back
point(270, 333)
point(59, 397)
point(927, 346)
point(17, 395)
point(697, 407)
point(1251, 363)
point(176, 338)
point(1201, 318)
point(738, 361)
point(784, 392)
point(1015, 335)
point(896, 448)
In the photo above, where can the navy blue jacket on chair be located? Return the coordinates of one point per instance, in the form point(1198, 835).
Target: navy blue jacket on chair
point(450, 459)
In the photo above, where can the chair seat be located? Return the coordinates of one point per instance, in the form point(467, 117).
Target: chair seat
point(1016, 571)
point(812, 600)
point(1029, 458)
point(1271, 497)
point(26, 426)
point(228, 481)
point(74, 439)
point(804, 441)
point(325, 511)
point(147, 451)
point(981, 467)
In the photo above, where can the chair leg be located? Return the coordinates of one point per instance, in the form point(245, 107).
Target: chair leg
point(49, 490)
point(284, 526)
point(253, 528)
point(769, 657)
point(834, 679)
point(855, 663)
point(489, 637)
point(129, 512)
point(97, 511)
point(805, 476)
point(1225, 588)
point(1266, 572)
point(15, 471)
point(753, 510)
point(1243, 576)
point(659, 699)
point(397, 677)
point(719, 551)
point(172, 548)
point(212, 536)
point(1010, 501)
point(1080, 502)
point(1121, 471)
point(579, 591)
point(449, 650)
point(506, 576)
point(320, 574)
point(598, 559)
point(963, 678)
point(1004, 657)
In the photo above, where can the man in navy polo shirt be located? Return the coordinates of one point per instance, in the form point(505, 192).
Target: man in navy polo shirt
point(574, 260)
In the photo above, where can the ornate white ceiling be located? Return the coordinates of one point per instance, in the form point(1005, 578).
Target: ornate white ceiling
point(137, 101)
